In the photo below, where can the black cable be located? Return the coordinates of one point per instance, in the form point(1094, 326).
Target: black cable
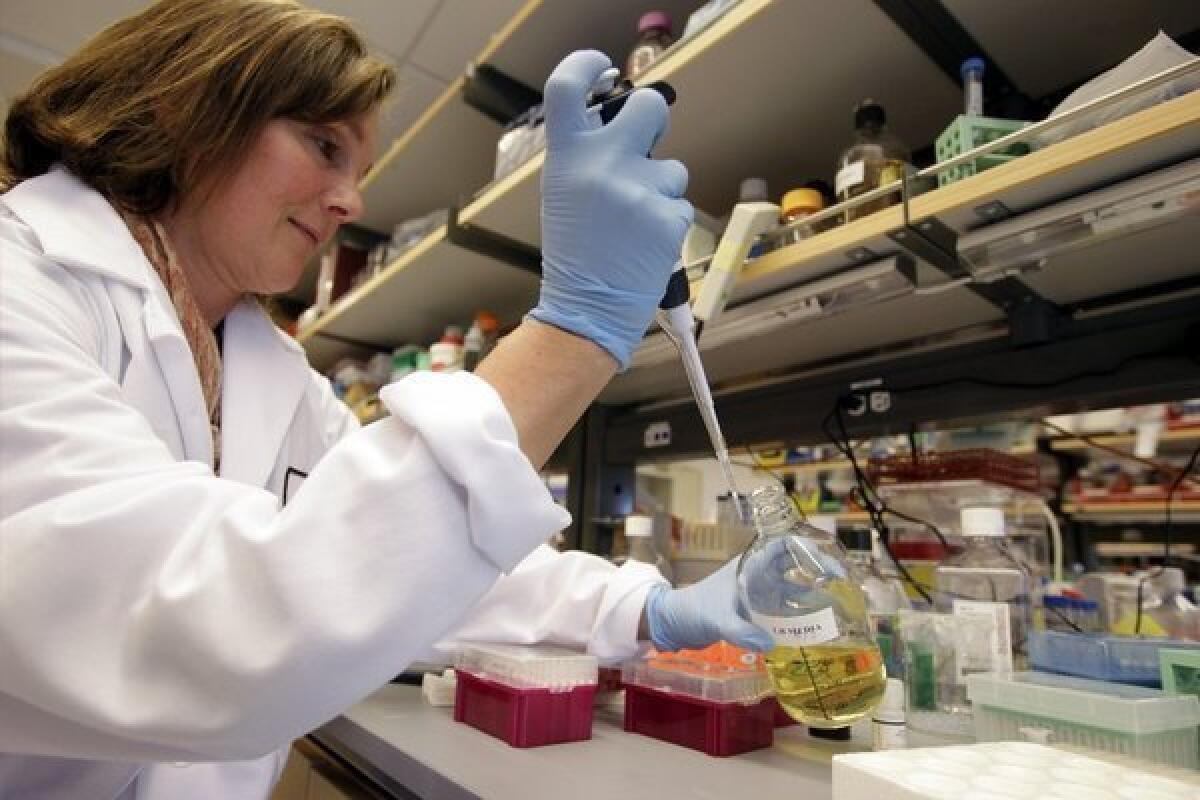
point(1187, 470)
point(869, 496)
point(1000, 384)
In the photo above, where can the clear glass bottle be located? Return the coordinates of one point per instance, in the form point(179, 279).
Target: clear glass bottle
point(654, 36)
point(875, 158)
point(985, 572)
point(639, 535)
point(795, 583)
point(885, 594)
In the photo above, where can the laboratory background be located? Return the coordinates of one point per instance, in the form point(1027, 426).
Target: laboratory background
point(942, 344)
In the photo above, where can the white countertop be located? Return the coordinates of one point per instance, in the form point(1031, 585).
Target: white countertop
point(396, 733)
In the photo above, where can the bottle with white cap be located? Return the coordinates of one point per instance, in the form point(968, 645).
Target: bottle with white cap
point(639, 535)
point(888, 723)
point(984, 573)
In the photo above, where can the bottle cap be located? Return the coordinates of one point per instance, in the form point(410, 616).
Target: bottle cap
point(637, 525)
point(982, 522)
point(969, 66)
point(652, 20)
point(809, 200)
point(868, 112)
point(753, 190)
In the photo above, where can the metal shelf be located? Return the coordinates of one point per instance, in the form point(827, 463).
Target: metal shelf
point(1172, 439)
point(435, 283)
point(743, 68)
point(1127, 148)
point(1187, 511)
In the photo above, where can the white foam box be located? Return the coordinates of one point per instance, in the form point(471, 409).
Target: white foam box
point(1002, 771)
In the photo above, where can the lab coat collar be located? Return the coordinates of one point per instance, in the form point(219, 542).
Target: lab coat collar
point(78, 227)
point(265, 373)
point(264, 370)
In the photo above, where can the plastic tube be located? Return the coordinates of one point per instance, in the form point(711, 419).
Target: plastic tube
point(1055, 540)
point(972, 78)
point(678, 323)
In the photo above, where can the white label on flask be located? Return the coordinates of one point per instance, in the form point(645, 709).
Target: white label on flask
point(803, 630)
point(983, 643)
point(849, 176)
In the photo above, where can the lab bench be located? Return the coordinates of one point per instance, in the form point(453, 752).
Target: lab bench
point(411, 749)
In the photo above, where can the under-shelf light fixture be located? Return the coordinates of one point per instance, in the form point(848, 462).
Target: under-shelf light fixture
point(1031, 240)
point(852, 288)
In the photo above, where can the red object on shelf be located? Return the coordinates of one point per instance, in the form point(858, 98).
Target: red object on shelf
point(956, 465)
point(919, 551)
point(524, 717)
point(718, 729)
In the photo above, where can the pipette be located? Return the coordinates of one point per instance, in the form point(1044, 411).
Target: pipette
point(674, 316)
point(674, 313)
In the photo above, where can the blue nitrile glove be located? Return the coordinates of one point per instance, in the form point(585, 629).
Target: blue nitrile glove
point(613, 219)
point(701, 614)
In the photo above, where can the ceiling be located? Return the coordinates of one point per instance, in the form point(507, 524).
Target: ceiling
point(429, 41)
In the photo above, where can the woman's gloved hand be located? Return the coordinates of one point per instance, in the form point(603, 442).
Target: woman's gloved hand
point(613, 219)
point(701, 614)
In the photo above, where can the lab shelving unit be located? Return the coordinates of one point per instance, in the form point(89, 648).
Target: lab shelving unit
point(442, 162)
point(1108, 323)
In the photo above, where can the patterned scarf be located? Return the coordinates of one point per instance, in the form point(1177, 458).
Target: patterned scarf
point(149, 234)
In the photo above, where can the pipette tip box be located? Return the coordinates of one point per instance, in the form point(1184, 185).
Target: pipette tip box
point(526, 696)
point(1111, 717)
point(718, 712)
point(1122, 659)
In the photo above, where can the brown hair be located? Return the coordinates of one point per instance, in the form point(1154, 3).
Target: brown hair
point(165, 101)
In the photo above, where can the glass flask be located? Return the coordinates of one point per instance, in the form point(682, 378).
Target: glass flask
point(794, 582)
point(875, 158)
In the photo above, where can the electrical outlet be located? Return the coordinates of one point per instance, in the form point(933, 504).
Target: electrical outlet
point(855, 404)
point(881, 402)
point(658, 434)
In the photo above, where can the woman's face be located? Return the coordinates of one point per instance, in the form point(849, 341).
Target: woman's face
point(256, 230)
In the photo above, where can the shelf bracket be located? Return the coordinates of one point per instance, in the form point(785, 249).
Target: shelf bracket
point(492, 245)
point(497, 95)
point(1031, 317)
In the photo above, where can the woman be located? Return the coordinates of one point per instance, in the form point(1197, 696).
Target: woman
point(168, 593)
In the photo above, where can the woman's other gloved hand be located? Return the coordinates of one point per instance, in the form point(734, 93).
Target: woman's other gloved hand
point(701, 614)
point(613, 219)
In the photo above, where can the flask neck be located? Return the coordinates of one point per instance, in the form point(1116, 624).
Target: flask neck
point(774, 523)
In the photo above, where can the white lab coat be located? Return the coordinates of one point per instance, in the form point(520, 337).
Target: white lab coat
point(164, 632)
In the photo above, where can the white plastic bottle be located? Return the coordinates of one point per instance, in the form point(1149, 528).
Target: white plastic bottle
point(889, 730)
point(639, 534)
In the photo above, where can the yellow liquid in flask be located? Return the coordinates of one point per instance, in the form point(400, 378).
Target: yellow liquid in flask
point(828, 685)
